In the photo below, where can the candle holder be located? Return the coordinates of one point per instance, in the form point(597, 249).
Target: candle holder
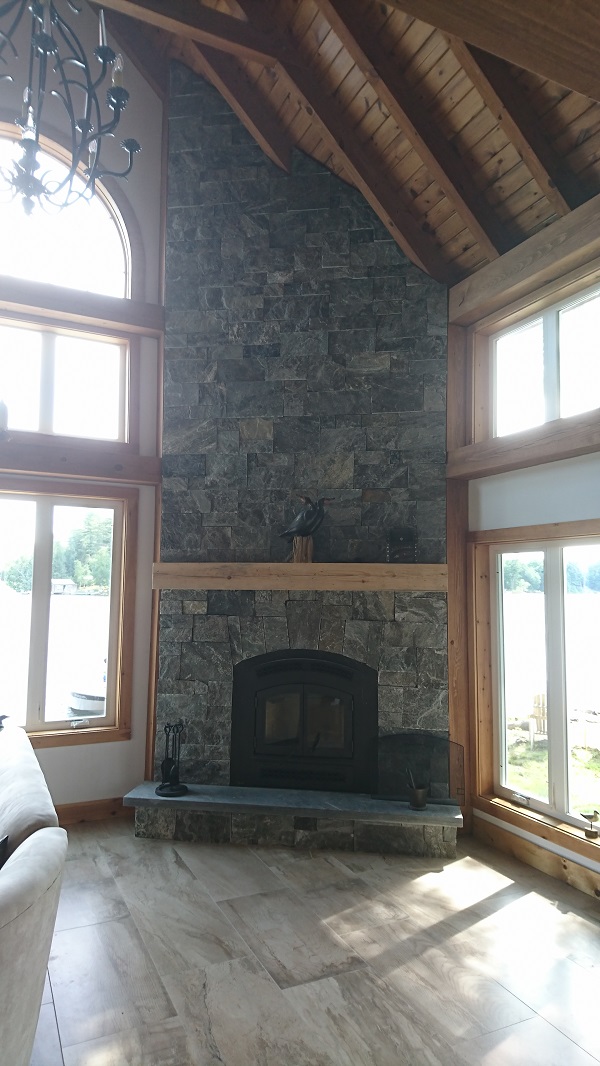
point(170, 784)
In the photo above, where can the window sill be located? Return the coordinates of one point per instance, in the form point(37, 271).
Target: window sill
point(540, 825)
point(67, 738)
point(564, 438)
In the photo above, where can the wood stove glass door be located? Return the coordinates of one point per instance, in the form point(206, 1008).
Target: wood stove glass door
point(303, 720)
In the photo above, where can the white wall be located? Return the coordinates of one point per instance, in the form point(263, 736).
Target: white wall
point(555, 492)
point(101, 771)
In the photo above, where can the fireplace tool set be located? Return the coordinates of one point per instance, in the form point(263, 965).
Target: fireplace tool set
point(169, 767)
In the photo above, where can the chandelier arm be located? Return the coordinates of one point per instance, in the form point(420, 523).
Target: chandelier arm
point(6, 38)
point(68, 78)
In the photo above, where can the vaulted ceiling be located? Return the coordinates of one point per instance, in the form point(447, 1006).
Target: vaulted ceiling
point(466, 133)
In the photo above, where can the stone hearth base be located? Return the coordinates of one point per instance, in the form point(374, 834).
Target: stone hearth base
point(287, 818)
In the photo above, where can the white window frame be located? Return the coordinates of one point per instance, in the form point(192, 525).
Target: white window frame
point(124, 502)
point(549, 317)
point(558, 742)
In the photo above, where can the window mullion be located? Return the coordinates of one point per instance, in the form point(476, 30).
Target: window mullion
point(47, 383)
point(557, 719)
point(40, 615)
point(551, 364)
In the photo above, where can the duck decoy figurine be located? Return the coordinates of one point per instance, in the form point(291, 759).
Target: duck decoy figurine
point(308, 520)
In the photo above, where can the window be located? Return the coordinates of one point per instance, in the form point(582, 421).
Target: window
point(546, 610)
point(64, 383)
point(54, 246)
point(76, 457)
point(548, 367)
point(64, 618)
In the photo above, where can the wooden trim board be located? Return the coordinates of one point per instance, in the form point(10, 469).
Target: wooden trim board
point(92, 811)
point(348, 577)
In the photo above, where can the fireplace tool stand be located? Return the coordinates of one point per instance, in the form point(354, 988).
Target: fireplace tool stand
point(169, 767)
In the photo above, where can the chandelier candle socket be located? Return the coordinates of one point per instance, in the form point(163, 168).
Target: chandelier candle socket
point(58, 68)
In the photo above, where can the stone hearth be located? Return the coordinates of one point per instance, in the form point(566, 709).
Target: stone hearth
point(297, 819)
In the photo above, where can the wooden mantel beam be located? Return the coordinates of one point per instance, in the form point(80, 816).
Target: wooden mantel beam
point(190, 19)
point(559, 39)
point(444, 164)
point(406, 577)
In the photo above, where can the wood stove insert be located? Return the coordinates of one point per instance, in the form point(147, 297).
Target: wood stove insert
point(304, 719)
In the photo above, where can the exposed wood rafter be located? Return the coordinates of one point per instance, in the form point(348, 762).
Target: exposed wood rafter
point(445, 166)
point(229, 78)
point(338, 134)
point(559, 39)
point(508, 104)
point(190, 19)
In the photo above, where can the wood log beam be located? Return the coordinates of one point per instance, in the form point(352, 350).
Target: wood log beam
point(501, 94)
point(383, 196)
point(568, 244)
point(189, 19)
point(559, 39)
point(407, 577)
point(444, 164)
point(234, 85)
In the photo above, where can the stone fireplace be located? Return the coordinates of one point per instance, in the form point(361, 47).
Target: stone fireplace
point(304, 355)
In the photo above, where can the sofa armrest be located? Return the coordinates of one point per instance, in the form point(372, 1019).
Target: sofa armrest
point(25, 802)
point(30, 884)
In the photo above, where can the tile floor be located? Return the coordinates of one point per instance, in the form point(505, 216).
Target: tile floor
point(172, 954)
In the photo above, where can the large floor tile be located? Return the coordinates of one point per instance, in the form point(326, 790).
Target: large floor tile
point(89, 902)
point(226, 872)
point(237, 1016)
point(361, 1021)
point(352, 904)
point(165, 1044)
point(292, 944)
point(533, 1042)
point(46, 1048)
point(181, 927)
point(437, 981)
point(104, 981)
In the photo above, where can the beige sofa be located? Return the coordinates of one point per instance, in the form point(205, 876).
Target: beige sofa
point(30, 882)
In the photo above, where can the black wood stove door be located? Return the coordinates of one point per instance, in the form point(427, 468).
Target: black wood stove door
point(303, 719)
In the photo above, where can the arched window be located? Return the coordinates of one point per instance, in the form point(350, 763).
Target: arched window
point(70, 466)
point(84, 246)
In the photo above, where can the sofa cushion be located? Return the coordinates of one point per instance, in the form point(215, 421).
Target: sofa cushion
point(26, 803)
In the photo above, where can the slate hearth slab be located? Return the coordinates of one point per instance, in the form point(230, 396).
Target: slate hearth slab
point(231, 799)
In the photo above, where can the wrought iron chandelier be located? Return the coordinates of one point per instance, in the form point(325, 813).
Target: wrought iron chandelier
point(58, 67)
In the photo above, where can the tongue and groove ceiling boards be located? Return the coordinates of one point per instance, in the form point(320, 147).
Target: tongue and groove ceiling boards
point(466, 133)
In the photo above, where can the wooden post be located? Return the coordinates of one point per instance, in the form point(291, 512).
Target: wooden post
point(302, 550)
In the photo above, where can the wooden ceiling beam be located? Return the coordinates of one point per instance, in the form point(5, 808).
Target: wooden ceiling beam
point(383, 196)
point(559, 39)
point(509, 105)
point(187, 18)
point(441, 160)
point(234, 85)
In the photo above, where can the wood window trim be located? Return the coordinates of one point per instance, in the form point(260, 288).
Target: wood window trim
point(483, 796)
point(564, 438)
point(482, 455)
point(121, 729)
point(71, 306)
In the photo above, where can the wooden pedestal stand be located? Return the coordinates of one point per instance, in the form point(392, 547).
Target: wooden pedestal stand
point(302, 550)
